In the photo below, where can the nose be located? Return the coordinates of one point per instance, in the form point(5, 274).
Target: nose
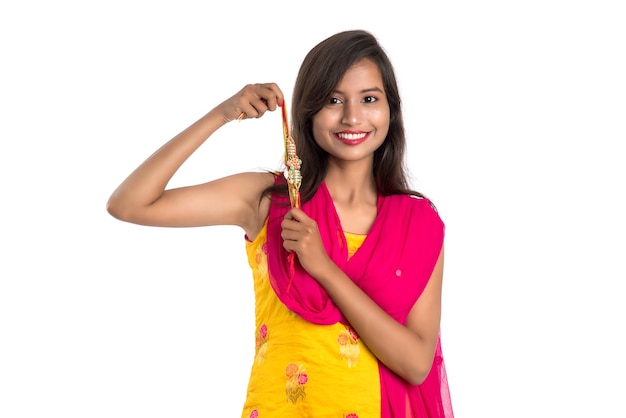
point(351, 113)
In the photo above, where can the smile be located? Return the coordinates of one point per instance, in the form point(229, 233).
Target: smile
point(352, 138)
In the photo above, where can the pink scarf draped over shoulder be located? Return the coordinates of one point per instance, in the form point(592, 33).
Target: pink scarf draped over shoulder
point(392, 266)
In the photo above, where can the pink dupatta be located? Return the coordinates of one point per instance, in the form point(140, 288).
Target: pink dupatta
point(393, 266)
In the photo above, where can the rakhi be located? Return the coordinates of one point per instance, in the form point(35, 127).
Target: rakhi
point(292, 163)
point(294, 180)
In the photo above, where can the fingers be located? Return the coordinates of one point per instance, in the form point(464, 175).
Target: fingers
point(297, 226)
point(271, 95)
point(256, 99)
point(301, 236)
point(296, 220)
point(296, 214)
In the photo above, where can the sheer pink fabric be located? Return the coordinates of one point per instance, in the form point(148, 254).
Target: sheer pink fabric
point(392, 266)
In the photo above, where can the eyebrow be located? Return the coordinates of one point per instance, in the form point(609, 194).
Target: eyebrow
point(371, 89)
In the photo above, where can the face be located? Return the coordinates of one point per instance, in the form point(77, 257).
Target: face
point(355, 121)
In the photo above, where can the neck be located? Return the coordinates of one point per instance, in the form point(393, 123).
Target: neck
point(351, 185)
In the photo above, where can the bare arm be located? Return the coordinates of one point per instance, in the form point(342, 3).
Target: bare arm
point(142, 198)
point(407, 350)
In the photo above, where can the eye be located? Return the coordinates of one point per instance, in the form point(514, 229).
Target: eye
point(334, 100)
point(370, 99)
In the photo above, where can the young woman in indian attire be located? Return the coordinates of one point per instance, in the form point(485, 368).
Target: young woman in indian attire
point(349, 327)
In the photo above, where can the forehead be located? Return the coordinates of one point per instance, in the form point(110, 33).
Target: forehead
point(362, 72)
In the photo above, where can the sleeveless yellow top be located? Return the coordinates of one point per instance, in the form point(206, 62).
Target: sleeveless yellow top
point(303, 369)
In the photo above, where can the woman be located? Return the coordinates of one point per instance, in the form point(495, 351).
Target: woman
point(349, 327)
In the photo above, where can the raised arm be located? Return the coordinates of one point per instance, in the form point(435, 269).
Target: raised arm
point(142, 198)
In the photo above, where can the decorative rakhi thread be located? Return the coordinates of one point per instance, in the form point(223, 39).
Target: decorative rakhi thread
point(293, 163)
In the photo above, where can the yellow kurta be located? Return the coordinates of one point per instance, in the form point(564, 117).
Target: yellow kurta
point(302, 369)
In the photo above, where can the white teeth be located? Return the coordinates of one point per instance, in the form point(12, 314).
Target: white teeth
point(351, 137)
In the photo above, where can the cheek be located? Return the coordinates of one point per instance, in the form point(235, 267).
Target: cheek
point(321, 126)
point(381, 119)
point(383, 114)
point(317, 129)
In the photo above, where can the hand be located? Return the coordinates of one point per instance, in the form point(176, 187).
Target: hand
point(301, 235)
point(252, 101)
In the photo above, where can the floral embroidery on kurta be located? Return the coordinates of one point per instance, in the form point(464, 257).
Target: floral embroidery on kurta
point(254, 414)
point(353, 415)
point(261, 260)
point(261, 343)
point(349, 346)
point(296, 379)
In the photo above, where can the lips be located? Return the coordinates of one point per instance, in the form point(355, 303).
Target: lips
point(352, 138)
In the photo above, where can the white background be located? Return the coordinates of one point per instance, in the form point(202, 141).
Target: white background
point(515, 113)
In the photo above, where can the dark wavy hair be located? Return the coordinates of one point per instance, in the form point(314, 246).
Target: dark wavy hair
point(322, 69)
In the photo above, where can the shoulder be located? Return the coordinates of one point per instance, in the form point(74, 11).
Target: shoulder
point(421, 211)
point(416, 203)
